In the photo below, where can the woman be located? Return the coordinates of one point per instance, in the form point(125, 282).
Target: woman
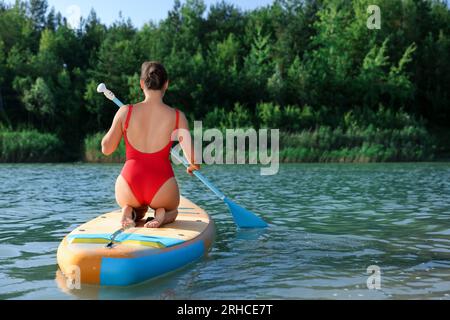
point(149, 128)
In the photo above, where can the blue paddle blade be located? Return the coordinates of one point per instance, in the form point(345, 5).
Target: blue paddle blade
point(243, 217)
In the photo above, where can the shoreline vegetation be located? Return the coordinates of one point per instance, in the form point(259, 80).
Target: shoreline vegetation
point(337, 90)
point(365, 137)
point(390, 137)
point(29, 146)
point(93, 152)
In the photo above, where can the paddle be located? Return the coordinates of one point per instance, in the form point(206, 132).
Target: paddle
point(242, 217)
point(110, 245)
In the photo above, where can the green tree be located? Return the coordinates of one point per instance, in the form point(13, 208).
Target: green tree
point(92, 38)
point(224, 20)
point(191, 32)
point(39, 99)
point(15, 28)
point(50, 21)
point(2, 62)
point(258, 67)
point(38, 10)
point(117, 59)
point(224, 79)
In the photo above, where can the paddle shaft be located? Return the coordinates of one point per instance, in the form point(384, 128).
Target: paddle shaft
point(201, 177)
point(113, 237)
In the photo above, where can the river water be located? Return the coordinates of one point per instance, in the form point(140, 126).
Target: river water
point(328, 224)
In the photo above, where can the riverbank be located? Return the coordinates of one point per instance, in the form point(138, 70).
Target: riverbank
point(323, 145)
point(93, 152)
point(29, 146)
point(362, 136)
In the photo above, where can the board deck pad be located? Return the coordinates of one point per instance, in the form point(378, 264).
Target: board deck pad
point(191, 222)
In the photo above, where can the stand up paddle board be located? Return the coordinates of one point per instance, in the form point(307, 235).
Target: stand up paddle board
point(138, 254)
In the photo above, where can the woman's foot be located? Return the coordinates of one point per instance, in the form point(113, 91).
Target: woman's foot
point(127, 217)
point(140, 213)
point(160, 216)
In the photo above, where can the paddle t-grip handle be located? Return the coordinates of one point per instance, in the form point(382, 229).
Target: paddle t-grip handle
point(109, 94)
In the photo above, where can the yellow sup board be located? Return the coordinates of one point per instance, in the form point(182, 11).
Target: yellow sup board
point(139, 253)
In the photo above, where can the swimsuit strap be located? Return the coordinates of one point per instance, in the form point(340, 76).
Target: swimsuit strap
point(178, 119)
point(127, 123)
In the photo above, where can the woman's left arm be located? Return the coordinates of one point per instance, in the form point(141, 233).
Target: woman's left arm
point(112, 139)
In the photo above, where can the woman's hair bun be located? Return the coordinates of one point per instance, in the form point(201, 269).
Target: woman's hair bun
point(154, 75)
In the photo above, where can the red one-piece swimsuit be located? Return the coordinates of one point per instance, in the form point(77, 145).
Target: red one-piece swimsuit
point(146, 173)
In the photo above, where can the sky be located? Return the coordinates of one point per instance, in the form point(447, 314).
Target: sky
point(140, 11)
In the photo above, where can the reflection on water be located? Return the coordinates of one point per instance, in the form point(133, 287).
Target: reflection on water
point(328, 224)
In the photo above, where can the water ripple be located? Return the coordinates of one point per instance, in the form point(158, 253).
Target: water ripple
point(328, 224)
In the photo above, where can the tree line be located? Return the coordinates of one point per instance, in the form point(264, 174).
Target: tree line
point(297, 65)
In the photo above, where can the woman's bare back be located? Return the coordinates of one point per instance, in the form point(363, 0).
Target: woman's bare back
point(151, 127)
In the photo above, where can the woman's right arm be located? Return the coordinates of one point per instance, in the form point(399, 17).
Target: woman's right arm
point(111, 141)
